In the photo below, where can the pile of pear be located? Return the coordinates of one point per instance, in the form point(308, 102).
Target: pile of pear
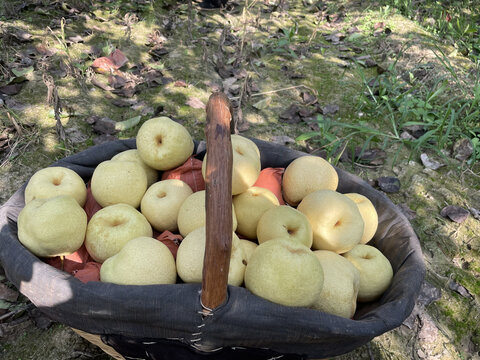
point(311, 252)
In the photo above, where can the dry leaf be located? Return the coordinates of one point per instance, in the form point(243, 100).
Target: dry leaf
point(195, 103)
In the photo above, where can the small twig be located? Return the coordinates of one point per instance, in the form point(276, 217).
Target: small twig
point(280, 90)
point(242, 44)
point(15, 124)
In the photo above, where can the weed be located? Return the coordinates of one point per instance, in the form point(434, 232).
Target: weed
point(444, 111)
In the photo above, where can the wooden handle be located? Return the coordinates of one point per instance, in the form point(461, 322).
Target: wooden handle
point(218, 202)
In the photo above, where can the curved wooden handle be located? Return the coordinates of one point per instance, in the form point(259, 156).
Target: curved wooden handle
point(218, 202)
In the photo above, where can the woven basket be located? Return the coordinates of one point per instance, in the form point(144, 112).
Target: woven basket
point(213, 319)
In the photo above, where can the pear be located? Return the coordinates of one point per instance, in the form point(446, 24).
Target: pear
point(132, 155)
point(249, 208)
point(192, 214)
point(376, 272)
point(284, 272)
point(340, 286)
point(52, 227)
point(142, 261)
point(190, 256)
point(54, 181)
point(305, 175)
point(164, 144)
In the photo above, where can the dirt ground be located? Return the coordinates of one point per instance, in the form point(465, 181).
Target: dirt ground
point(282, 64)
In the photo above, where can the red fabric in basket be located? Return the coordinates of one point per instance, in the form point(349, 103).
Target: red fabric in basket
point(72, 262)
point(91, 272)
point(91, 206)
point(190, 172)
point(271, 179)
point(171, 240)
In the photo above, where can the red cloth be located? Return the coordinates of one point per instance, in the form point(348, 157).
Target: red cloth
point(190, 172)
point(171, 240)
point(271, 179)
point(91, 272)
point(91, 206)
point(72, 262)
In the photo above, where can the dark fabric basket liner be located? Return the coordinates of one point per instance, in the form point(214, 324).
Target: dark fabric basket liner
point(245, 320)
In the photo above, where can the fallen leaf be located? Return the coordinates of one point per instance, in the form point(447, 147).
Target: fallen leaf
point(124, 102)
point(370, 156)
point(262, 104)
point(430, 163)
point(389, 184)
point(455, 213)
point(459, 289)
point(110, 63)
point(180, 83)
point(330, 109)
point(101, 85)
point(308, 98)
point(12, 89)
point(213, 86)
point(75, 135)
point(8, 294)
point(379, 25)
point(128, 90)
point(127, 124)
point(104, 125)
point(166, 80)
point(118, 58)
point(462, 149)
point(76, 39)
point(223, 70)
point(241, 74)
point(22, 36)
point(22, 72)
point(158, 52)
point(117, 81)
point(475, 213)
point(416, 131)
point(195, 103)
point(227, 83)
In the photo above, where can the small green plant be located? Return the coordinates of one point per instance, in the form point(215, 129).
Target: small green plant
point(444, 110)
point(282, 45)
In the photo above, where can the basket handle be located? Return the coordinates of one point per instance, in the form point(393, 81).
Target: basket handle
point(218, 202)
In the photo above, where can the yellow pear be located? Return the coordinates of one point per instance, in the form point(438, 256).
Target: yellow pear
point(284, 272)
point(369, 215)
point(161, 203)
point(375, 270)
point(190, 256)
point(305, 175)
point(287, 222)
point(54, 181)
point(132, 155)
point(246, 164)
point(192, 215)
point(112, 227)
point(335, 219)
point(248, 248)
point(340, 285)
point(52, 227)
point(249, 208)
point(142, 261)
point(164, 144)
point(119, 182)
